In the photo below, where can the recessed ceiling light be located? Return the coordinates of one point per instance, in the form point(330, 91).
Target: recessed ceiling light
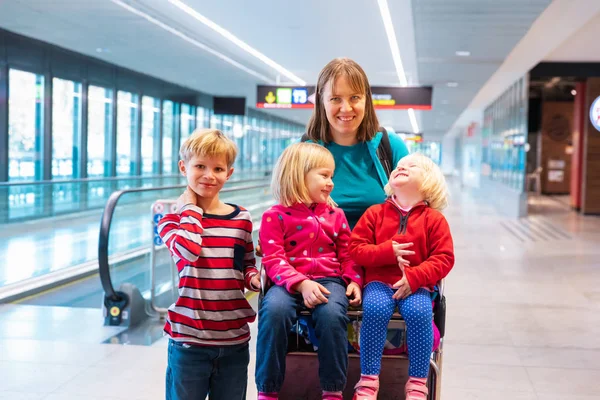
point(463, 53)
point(452, 84)
point(573, 92)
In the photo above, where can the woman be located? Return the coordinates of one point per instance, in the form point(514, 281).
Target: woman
point(344, 121)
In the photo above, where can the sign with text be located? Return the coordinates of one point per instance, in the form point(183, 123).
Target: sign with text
point(384, 97)
point(402, 98)
point(284, 96)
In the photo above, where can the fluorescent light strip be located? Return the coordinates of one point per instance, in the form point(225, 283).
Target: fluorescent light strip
point(395, 49)
point(391, 35)
point(413, 120)
point(192, 41)
point(238, 42)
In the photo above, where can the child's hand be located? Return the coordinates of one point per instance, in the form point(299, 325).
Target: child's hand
point(403, 289)
point(255, 282)
point(258, 250)
point(187, 197)
point(399, 252)
point(313, 293)
point(353, 293)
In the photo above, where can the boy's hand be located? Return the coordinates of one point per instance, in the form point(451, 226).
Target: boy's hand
point(187, 197)
point(312, 292)
point(258, 250)
point(255, 282)
point(400, 252)
point(403, 289)
point(353, 293)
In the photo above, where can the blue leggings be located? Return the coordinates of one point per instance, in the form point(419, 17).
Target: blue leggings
point(378, 307)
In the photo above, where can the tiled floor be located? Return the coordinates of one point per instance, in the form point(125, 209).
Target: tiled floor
point(523, 322)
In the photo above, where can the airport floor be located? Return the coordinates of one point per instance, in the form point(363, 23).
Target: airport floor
point(523, 320)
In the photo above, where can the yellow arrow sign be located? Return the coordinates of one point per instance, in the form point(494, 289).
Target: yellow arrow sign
point(270, 98)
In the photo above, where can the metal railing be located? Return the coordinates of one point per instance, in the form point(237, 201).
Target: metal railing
point(107, 218)
point(26, 201)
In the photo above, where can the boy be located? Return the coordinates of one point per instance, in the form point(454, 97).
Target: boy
point(211, 243)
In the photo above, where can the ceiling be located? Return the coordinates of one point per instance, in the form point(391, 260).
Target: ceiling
point(581, 46)
point(302, 36)
point(566, 31)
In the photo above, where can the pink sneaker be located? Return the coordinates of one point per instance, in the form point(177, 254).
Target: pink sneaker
point(416, 389)
point(332, 396)
point(268, 396)
point(366, 388)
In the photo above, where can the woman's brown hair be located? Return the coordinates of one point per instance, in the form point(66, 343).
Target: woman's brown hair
point(318, 126)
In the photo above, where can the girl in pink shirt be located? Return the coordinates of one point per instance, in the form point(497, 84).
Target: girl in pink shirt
point(304, 241)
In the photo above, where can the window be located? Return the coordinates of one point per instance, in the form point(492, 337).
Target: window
point(66, 128)
point(25, 125)
point(202, 117)
point(150, 133)
point(127, 123)
point(167, 149)
point(99, 129)
point(187, 121)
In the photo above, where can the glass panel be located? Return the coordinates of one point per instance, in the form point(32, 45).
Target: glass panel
point(202, 115)
point(167, 150)
point(227, 125)
point(99, 130)
point(25, 125)
point(216, 122)
point(66, 128)
point(504, 134)
point(187, 121)
point(127, 124)
point(150, 133)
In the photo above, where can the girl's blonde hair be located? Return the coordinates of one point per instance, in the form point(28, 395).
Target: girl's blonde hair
point(318, 127)
point(433, 188)
point(208, 143)
point(289, 175)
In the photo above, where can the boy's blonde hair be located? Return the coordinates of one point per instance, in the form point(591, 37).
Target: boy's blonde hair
point(289, 175)
point(433, 188)
point(208, 143)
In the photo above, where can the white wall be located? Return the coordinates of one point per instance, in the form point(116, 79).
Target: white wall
point(448, 155)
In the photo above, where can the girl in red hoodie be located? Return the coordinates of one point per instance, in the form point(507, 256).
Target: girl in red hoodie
point(405, 247)
point(304, 243)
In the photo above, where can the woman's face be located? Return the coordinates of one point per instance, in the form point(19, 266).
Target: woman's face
point(345, 108)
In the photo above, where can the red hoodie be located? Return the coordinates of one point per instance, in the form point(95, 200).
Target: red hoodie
point(371, 244)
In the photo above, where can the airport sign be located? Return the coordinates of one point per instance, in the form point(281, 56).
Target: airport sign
point(384, 97)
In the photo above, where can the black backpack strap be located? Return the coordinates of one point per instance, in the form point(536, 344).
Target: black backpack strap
point(384, 152)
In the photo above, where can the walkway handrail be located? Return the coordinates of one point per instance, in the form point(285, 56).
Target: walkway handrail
point(104, 179)
point(107, 216)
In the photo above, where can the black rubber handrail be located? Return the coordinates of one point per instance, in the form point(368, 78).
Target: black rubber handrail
point(107, 216)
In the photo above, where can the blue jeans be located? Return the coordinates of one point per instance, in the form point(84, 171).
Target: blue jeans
point(279, 312)
point(378, 307)
point(219, 371)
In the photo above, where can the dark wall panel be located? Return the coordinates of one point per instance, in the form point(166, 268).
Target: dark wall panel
point(67, 66)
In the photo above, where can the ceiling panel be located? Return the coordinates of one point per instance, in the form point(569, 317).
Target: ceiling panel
point(488, 29)
point(583, 46)
point(301, 36)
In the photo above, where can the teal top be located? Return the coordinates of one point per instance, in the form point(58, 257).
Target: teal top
point(359, 177)
point(356, 184)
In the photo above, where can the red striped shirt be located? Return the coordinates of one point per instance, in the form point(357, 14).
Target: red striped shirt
point(214, 255)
